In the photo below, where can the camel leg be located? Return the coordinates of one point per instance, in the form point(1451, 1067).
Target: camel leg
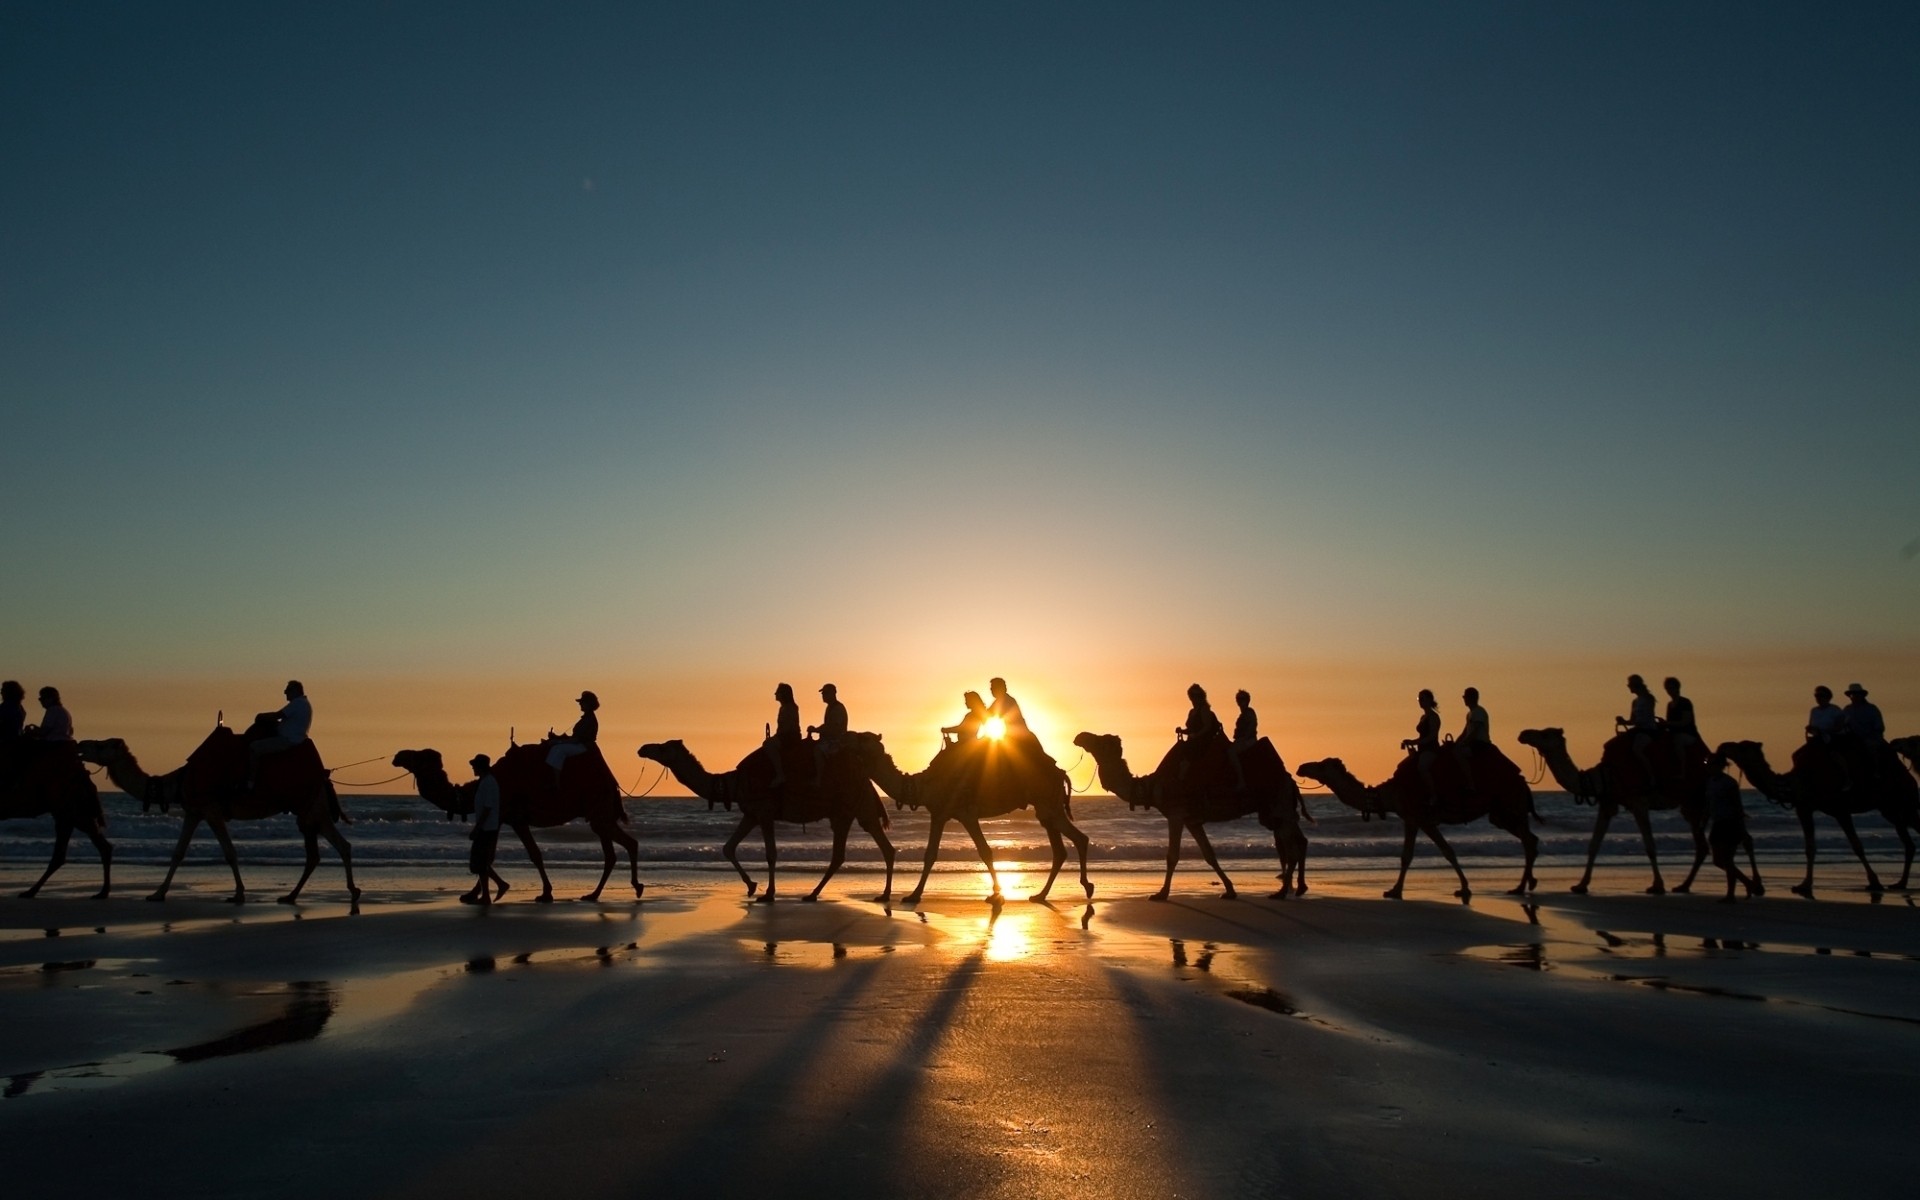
point(731, 850)
point(606, 867)
point(1906, 844)
point(627, 842)
point(1173, 857)
point(188, 823)
point(839, 855)
point(1059, 849)
point(1699, 828)
point(312, 839)
point(1406, 860)
point(525, 830)
point(1080, 844)
point(1200, 839)
point(339, 843)
point(62, 833)
point(773, 858)
point(935, 828)
point(1640, 818)
point(1433, 834)
point(1859, 851)
point(1530, 847)
point(105, 847)
point(1299, 840)
point(1753, 867)
point(880, 839)
point(1805, 886)
point(972, 826)
point(1602, 818)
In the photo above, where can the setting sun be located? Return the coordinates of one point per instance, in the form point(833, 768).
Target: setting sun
point(994, 728)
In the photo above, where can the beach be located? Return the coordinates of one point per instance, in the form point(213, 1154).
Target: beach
point(693, 1044)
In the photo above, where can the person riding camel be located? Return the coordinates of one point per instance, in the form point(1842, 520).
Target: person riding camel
point(1867, 729)
point(832, 729)
point(1642, 724)
point(292, 724)
point(968, 730)
point(785, 737)
point(1425, 742)
point(13, 712)
point(1826, 720)
point(1475, 732)
point(1201, 728)
point(1014, 733)
point(585, 735)
point(1681, 723)
point(1246, 736)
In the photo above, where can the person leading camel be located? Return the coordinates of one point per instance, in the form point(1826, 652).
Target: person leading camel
point(1641, 722)
point(293, 723)
point(1425, 742)
point(586, 732)
point(968, 730)
point(1729, 826)
point(832, 729)
point(785, 737)
point(486, 835)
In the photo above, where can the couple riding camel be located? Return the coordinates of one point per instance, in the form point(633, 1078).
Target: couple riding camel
point(1643, 726)
point(786, 739)
point(1857, 731)
point(1203, 726)
point(1425, 744)
point(1014, 732)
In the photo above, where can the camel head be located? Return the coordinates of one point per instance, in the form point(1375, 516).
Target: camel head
point(431, 782)
point(1109, 755)
point(1324, 772)
point(665, 753)
point(1909, 749)
point(420, 762)
point(1099, 745)
point(1550, 740)
point(103, 751)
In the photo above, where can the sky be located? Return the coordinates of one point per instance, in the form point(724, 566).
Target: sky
point(455, 358)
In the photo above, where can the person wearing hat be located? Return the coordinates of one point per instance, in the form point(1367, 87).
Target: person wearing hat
point(1863, 720)
point(586, 732)
point(486, 834)
point(1729, 827)
point(786, 732)
point(293, 723)
point(832, 728)
point(1826, 719)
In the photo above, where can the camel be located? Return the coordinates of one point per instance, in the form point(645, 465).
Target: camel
point(971, 783)
point(1271, 795)
point(211, 787)
point(1612, 791)
point(1896, 798)
point(529, 799)
point(1405, 795)
point(45, 779)
point(841, 798)
point(1908, 748)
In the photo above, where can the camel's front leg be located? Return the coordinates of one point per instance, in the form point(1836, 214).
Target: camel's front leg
point(1906, 844)
point(1079, 840)
point(935, 827)
point(606, 867)
point(1805, 886)
point(1406, 860)
point(1173, 858)
point(1641, 818)
point(1602, 817)
point(732, 848)
point(1859, 851)
point(1205, 843)
point(880, 839)
point(188, 823)
point(972, 826)
point(312, 840)
point(627, 842)
point(1465, 891)
point(339, 843)
point(225, 838)
point(773, 857)
point(62, 834)
point(525, 830)
point(1697, 824)
point(1059, 848)
point(840, 827)
point(105, 847)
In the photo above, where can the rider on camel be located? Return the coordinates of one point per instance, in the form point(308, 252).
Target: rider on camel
point(1680, 722)
point(1425, 742)
point(1201, 728)
point(785, 737)
point(1477, 731)
point(1826, 720)
point(832, 729)
point(13, 713)
point(1863, 720)
point(1246, 735)
point(586, 733)
point(1642, 724)
point(292, 724)
point(968, 730)
point(1013, 723)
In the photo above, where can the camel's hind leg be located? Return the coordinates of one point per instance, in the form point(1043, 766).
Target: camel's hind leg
point(935, 828)
point(1900, 824)
point(62, 834)
point(731, 850)
point(1805, 886)
point(880, 839)
point(539, 861)
point(1079, 840)
point(773, 859)
point(1284, 851)
point(840, 826)
point(1859, 851)
point(188, 823)
point(1530, 847)
point(1406, 860)
point(972, 826)
point(1173, 858)
point(631, 845)
point(1640, 818)
point(606, 866)
point(312, 840)
point(1205, 843)
point(1602, 818)
point(1697, 823)
point(339, 843)
point(1465, 891)
point(105, 847)
point(1059, 847)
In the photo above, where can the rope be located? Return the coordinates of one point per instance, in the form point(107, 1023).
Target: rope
point(376, 783)
point(1539, 767)
point(363, 762)
point(1081, 791)
point(633, 795)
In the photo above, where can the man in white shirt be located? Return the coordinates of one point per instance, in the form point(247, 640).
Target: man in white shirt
point(56, 723)
point(1826, 718)
point(486, 834)
point(1863, 720)
point(296, 720)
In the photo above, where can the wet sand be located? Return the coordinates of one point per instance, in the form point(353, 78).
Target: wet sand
point(692, 1044)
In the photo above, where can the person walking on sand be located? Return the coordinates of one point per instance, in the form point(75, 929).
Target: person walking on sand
point(1729, 826)
point(586, 734)
point(294, 722)
point(832, 729)
point(486, 835)
point(785, 737)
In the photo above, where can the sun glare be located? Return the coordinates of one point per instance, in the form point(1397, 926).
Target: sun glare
point(994, 728)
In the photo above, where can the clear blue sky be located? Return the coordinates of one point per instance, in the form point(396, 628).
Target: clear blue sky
point(363, 338)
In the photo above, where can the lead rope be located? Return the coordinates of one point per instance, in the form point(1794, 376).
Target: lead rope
point(375, 783)
point(633, 795)
point(1081, 791)
point(1539, 767)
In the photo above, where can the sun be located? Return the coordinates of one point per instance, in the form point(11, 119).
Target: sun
point(994, 728)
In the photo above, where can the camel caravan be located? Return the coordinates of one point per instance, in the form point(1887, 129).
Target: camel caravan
point(990, 764)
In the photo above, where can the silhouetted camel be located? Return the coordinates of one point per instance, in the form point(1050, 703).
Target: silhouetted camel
point(529, 799)
point(1271, 795)
point(1908, 748)
point(46, 780)
point(1508, 809)
point(973, 782)
point(842, 797)
point(1895, 798)
point(1612, 790)
point(211, 787)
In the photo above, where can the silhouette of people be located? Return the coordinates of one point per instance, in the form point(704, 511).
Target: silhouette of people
point(486, 835)
point(56, 723)
point(832, 728)
point(1826, 720)
point(785, 737)
point(1729, 827)
point(1246, 726)
point(1202, 727)
point(1425, 742)
point(586, 734)
point(1475, 731)
point(1680, 721)
point(1013, 723)
point(291, 726)
point(1641, 722)
point(967, 731)
point(13, 712)
point(1863, 720)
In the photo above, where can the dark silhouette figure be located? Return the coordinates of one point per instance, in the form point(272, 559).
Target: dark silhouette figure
point(584, 738)
point(486, 834)
point(831, 731)
point(1201, 740)
point(842, 797)
point(1729, 825)
point(1807, 789)
point(784, 745)
point(212, 787)
point(970, 782)
point(1200, 798)
point(1503, 798)
point(1612, 786)
point(1680, 723)
point(969, 727)
point(278, 732)
point(530, 798)
point(1015, 733)
point(43, 776)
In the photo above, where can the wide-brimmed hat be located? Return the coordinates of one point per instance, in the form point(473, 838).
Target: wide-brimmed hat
point(588, 696)
point(1854, 689)
point(479, 760)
